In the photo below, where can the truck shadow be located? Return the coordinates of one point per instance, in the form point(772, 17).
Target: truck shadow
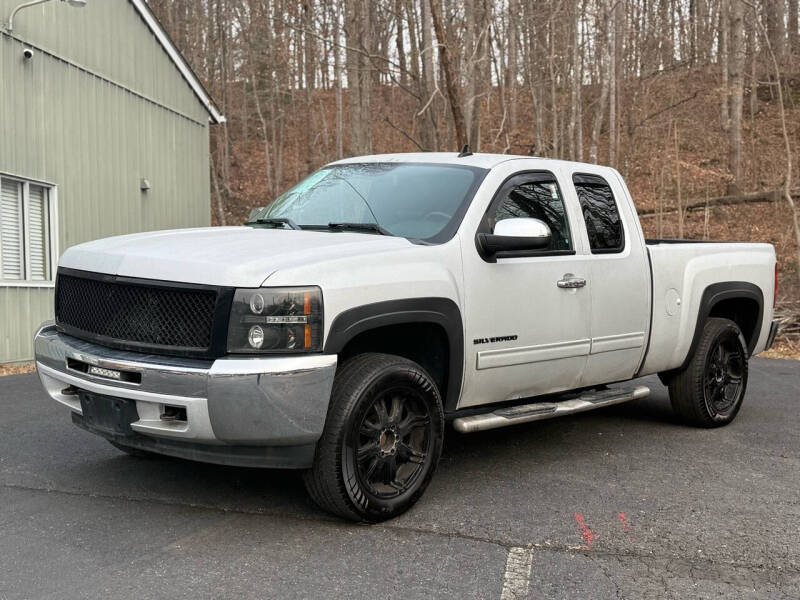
point(636, 419)
point(540, 446)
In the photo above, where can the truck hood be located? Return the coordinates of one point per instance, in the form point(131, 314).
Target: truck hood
point(224, 256)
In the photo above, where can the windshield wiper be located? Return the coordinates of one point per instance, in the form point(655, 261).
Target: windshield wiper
point(359, 227)
point(359, 194)
point(275, 221)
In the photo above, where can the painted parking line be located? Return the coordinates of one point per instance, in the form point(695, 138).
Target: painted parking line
point(517, 577)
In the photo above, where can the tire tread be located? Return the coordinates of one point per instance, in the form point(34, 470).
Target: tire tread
point(686, 387)
point(323, 481)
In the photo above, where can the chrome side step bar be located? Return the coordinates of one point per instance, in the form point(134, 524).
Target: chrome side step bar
point(538, 411)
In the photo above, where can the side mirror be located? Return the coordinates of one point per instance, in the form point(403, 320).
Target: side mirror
point(515, 234)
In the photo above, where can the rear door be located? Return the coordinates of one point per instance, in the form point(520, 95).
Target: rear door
point(619, 290)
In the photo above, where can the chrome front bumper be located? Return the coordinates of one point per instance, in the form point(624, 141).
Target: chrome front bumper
point(254, 402)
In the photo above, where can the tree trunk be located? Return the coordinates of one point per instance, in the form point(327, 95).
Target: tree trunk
point(476, 51)
point(794, 34)
point(265, 133)
point(605, 74)
point(451, 84)
point(358, 32)
point(400, 42)
point(736, 60)
point(776, 28)
point(678, 197)
point(431, 134)
point(512, 67)
point(574, 82)
point(337, 75)
point(724, 30)
point(612, 85)
point(428, 71)
point(667, 47)
point(309, 75)
point(220, 202)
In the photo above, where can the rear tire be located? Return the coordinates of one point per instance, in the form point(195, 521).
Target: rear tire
point(381, 442)
point(710, 390)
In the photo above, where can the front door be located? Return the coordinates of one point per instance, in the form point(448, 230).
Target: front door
point(526, 335)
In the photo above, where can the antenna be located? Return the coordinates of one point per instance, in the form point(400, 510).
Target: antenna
point(465, 151)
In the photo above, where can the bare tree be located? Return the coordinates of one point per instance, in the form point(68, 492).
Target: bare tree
point(605, 69)
point(613, 55)
point(337, 76)
point(451, 84)
point(304, 82)
point(736, 60)
point(775, 11)
point(787, 183)
point(359, 37)
point(794, 34)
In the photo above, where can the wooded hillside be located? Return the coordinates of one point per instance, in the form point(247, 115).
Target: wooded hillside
point(691, 100)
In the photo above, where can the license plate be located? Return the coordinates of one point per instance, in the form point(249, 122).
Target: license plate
point(103, 372)
point(112, 415)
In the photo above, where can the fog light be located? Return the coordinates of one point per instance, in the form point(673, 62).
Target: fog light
point(256, 336)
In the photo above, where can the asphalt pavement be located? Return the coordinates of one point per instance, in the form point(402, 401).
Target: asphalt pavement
point(623, 502)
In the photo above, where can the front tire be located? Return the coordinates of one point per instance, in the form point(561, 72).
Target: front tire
point(382, 439)
point(710, 390)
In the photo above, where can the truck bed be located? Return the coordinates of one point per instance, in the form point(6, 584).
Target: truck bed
point(681, 271)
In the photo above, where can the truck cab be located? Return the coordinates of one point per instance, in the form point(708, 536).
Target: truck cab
point(579, 308)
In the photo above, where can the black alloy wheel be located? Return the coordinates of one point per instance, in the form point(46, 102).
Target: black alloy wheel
point(382, 439)
point(723, 382)
point(709, 391)
point(392, 441)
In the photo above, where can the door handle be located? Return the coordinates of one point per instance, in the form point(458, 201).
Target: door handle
point(569, 282)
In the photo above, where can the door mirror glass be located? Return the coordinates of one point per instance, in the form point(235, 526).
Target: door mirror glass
point(515, 234)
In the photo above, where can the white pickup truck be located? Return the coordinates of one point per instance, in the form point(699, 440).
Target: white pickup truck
point(384, 296)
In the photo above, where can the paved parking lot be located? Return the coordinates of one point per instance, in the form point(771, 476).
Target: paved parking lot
point(622, 502)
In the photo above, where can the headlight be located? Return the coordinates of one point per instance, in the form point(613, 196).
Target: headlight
point(277, 320)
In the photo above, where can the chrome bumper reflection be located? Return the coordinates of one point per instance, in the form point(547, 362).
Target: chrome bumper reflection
point(253, 401)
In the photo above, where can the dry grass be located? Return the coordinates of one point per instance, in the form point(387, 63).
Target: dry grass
point(16, 368)
point(784, 348)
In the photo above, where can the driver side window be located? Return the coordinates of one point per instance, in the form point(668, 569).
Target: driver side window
point(541, 200)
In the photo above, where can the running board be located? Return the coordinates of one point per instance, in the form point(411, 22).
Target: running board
point(538, 411)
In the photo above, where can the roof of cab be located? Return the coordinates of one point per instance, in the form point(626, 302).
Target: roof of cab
point(485, 161)
point(481, 160)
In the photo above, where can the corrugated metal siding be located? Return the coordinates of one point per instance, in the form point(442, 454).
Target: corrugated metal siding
point(109, 37)
point(96, 141)
point(20, 308)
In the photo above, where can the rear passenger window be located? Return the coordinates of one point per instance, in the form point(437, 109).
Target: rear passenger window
point(538, 200)
point(600, 213)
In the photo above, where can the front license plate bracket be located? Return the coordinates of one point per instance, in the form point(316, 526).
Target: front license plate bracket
point(112, 415)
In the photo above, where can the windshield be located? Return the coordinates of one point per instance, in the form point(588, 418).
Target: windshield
point(416, 201)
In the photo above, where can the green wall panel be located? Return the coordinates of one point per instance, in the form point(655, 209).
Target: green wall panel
point(95, 140)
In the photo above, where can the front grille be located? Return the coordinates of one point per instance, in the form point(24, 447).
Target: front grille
point(138, 316)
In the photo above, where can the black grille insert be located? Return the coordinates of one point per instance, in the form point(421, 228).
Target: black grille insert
point(137, 316)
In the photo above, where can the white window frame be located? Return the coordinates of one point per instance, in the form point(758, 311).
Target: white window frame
point(52, 215)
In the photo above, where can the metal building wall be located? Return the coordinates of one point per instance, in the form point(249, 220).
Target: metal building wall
point(99, 107)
